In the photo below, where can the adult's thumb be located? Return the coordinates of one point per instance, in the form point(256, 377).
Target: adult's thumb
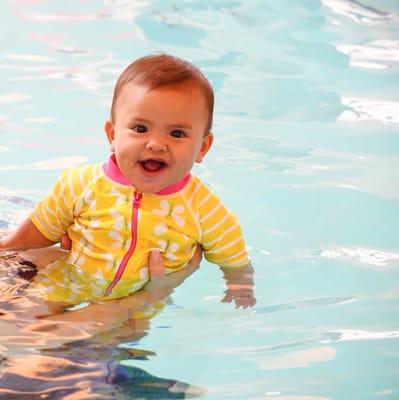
point(155, 265)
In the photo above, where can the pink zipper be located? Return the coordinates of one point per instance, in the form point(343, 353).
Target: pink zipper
point(125, 260)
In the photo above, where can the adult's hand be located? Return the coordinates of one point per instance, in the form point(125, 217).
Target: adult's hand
point(155, 263)
point(66, 242)
point(166, 283)
point(160, 283)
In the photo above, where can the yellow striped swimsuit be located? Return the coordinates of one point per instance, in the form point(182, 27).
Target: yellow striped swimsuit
point(113, 227)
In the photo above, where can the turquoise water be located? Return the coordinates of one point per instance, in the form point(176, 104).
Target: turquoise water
point(306, 153)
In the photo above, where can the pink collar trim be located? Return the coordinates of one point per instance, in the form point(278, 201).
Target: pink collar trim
point(113, 172)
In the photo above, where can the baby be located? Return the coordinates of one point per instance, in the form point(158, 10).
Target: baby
point(143, 198)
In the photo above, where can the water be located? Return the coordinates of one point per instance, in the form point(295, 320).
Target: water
point(306, 153)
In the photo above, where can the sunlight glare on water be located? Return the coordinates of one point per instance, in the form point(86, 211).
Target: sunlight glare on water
point(306, 153)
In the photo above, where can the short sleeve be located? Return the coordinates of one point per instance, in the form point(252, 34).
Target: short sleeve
point(54, 214)
point(222, 238)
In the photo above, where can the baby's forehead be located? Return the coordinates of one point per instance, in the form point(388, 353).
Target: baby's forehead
point(190, 88)
point(184, 86)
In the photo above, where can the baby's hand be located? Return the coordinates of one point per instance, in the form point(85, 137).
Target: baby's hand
point(242, 295)
point(240, 286)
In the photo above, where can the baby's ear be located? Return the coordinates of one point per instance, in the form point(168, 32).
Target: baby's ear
point(205, 146)
point(110, 132)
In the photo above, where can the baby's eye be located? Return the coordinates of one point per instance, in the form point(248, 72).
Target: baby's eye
point(140, 129)
point(178, 133)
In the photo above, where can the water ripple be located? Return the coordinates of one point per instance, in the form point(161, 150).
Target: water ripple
point(359, 12)
point(14, 98)
point(27, 57)
point(345, 335)
point(281, 396)
point(54, 163)
point(13, 210)
point(386, 112)
point(373, 257)
point(95, 76)
point(319, 302)
point(376, 54)
point(298, 359)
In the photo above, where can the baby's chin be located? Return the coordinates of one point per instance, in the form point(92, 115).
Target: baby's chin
point(161, 188)
point(148, 184)
point(151, 188)
point(148, 190)
point(162, 181)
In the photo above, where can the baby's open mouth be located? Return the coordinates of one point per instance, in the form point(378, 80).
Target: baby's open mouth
point(153, 165)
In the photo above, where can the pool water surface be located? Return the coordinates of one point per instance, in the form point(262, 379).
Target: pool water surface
point(306, 153)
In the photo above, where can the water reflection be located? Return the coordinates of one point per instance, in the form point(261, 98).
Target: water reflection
point(62, 377)
point(82, 354)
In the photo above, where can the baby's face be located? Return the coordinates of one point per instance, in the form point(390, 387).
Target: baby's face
point(158, 134)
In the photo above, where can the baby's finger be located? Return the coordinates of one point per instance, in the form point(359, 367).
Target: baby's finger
point(239, 303)
point(227, 298)
point(244, 301)
point(155, 265)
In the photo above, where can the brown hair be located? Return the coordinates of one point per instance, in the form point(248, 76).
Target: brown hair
point(158, 70)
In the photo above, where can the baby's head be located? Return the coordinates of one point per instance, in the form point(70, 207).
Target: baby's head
point(161, 117)
point(160, 70)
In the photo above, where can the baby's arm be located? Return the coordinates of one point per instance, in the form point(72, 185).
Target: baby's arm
point(240, 284)
point(50, 218)
point(27, 236)
point(223, 244)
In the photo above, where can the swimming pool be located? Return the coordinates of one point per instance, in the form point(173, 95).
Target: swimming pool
point(306, 153)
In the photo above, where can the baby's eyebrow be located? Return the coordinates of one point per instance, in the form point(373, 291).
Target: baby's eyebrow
point(180, 126)
point(140, 120)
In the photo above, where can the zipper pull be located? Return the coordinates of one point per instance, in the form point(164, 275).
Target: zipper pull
point(137, 199)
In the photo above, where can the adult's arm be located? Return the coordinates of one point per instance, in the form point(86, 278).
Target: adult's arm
point(27, 236)
point(105, 315)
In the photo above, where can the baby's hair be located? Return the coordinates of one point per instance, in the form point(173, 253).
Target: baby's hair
point(159, 70)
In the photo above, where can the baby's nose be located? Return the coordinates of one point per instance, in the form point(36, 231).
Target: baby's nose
point(156, 145)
